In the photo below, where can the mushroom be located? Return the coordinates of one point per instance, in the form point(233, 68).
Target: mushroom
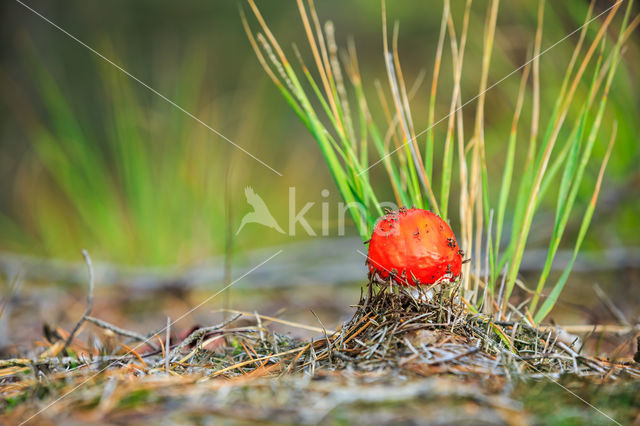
point(413, 247)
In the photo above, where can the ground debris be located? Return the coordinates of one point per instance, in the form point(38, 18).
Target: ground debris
point(403, 346)
point(433, 331)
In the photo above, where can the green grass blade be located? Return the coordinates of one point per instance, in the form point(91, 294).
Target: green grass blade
point(584, 226)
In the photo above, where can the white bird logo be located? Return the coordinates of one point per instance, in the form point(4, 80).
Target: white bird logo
point(260, 213)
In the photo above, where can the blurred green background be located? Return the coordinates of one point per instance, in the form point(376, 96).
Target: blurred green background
point(89, 158)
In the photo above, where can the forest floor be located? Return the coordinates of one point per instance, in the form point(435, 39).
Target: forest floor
point(386, 362)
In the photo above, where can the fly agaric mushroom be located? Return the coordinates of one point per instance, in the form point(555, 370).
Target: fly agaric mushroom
point(414, 247)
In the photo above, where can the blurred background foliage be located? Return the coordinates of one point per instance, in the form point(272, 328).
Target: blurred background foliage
point(91, 159)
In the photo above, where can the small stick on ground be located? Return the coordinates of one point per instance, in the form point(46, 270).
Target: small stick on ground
point(167, 345)
point(326, 336)
point(608, 303)
point(121, 331)
point(195, 335)
point(259, 324)
point(87, 260)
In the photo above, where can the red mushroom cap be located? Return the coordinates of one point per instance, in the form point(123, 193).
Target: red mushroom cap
point(415, 247)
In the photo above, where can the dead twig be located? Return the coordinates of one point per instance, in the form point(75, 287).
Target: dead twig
point(326, 336)
point(611, 307)
point(121, 331)
point(87, 260)
point(196, 334)
point(167, 344)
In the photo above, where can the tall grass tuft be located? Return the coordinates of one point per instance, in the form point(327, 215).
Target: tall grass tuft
point(142, 189)
point(336, 111)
